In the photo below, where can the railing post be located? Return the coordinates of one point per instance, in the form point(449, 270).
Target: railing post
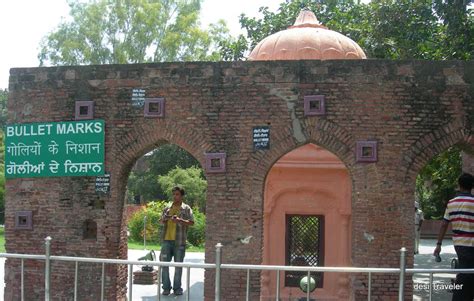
point(47, 272)
point(277, 295)
point(76, 272)
point(431, 287)
point(22, 279)
point(218, 271)
point(308, 291)
point(102, 283)
point(369, 293)
point(401, 288)
point(130, 282)
point(159, 282)
point(188, 281)
point(247, 290)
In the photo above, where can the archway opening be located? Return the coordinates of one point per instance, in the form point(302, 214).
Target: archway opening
point(436, 182)
point(148, 192)
point(307, 218)
point(435, 185)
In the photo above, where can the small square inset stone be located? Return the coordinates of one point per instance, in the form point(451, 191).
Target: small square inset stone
point(314, 105)
point(366, 151)
point(84, 110)
point(23, 220)
point(215, 162)
point(154, 107)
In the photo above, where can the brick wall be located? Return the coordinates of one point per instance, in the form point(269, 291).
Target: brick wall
point(414, 109)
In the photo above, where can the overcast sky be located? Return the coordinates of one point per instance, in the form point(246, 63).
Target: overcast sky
point(24, 22)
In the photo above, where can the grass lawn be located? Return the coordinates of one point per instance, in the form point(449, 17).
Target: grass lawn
point(156, 247)
point(131, 245)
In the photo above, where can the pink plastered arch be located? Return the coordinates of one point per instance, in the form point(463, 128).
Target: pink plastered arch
point(308, 181)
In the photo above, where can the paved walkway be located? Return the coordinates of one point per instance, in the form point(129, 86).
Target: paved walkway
point(423, 260)
point(149, 292)
point(426, 260)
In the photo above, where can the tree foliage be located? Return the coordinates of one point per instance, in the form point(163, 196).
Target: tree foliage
point(191, 180)
point(437, 182)
point(160, 162)
point(131, 31)
point(3, 107)
point(391, 29)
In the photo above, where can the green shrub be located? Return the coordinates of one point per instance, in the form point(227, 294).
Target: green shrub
point(197, 233)
point(153, 212)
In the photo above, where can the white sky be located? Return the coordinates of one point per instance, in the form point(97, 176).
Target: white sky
point(24, 22)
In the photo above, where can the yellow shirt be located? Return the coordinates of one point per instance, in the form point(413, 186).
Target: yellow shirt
point(171, 227)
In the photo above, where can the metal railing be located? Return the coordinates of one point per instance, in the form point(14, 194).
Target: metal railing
point(218, 266)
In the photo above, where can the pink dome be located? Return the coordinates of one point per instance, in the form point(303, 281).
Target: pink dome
point(307, 39)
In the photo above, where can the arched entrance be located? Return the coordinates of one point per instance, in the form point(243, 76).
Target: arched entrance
point(152, 179)
point(307, 213)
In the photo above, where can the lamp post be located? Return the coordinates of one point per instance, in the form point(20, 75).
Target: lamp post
point(144, 232)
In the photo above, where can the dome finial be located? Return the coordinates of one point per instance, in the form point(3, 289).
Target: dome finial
point(307, 18)
point(307, 39)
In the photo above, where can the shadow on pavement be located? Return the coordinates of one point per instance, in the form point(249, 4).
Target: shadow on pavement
point(426, 260)
point(196, 293)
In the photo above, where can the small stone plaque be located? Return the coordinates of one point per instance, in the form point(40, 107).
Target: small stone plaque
point(215, 162)
point(366, 151)
point(154, 107)
point(84, 109)
point(261, 137)
point(102, 184)
point(138, 97)
point(23, 220)
point(314, 105)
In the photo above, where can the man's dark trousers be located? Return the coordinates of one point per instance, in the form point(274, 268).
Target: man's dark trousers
point(466, 261)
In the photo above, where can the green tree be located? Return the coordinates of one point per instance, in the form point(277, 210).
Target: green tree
point(437, 182)
point(191, 180)
point(3, 107)
point(458, 23)
point(160, 162)
point(422, 29)
point(131, 31)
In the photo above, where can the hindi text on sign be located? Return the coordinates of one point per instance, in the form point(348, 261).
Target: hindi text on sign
point(70, 148)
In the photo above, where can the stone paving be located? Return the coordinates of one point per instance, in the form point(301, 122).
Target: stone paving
point(426, 260)
point(196, 283)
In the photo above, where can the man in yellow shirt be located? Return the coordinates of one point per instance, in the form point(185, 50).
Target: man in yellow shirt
point(176, 219)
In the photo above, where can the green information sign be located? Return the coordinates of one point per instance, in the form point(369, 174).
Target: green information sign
point(55, 149)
